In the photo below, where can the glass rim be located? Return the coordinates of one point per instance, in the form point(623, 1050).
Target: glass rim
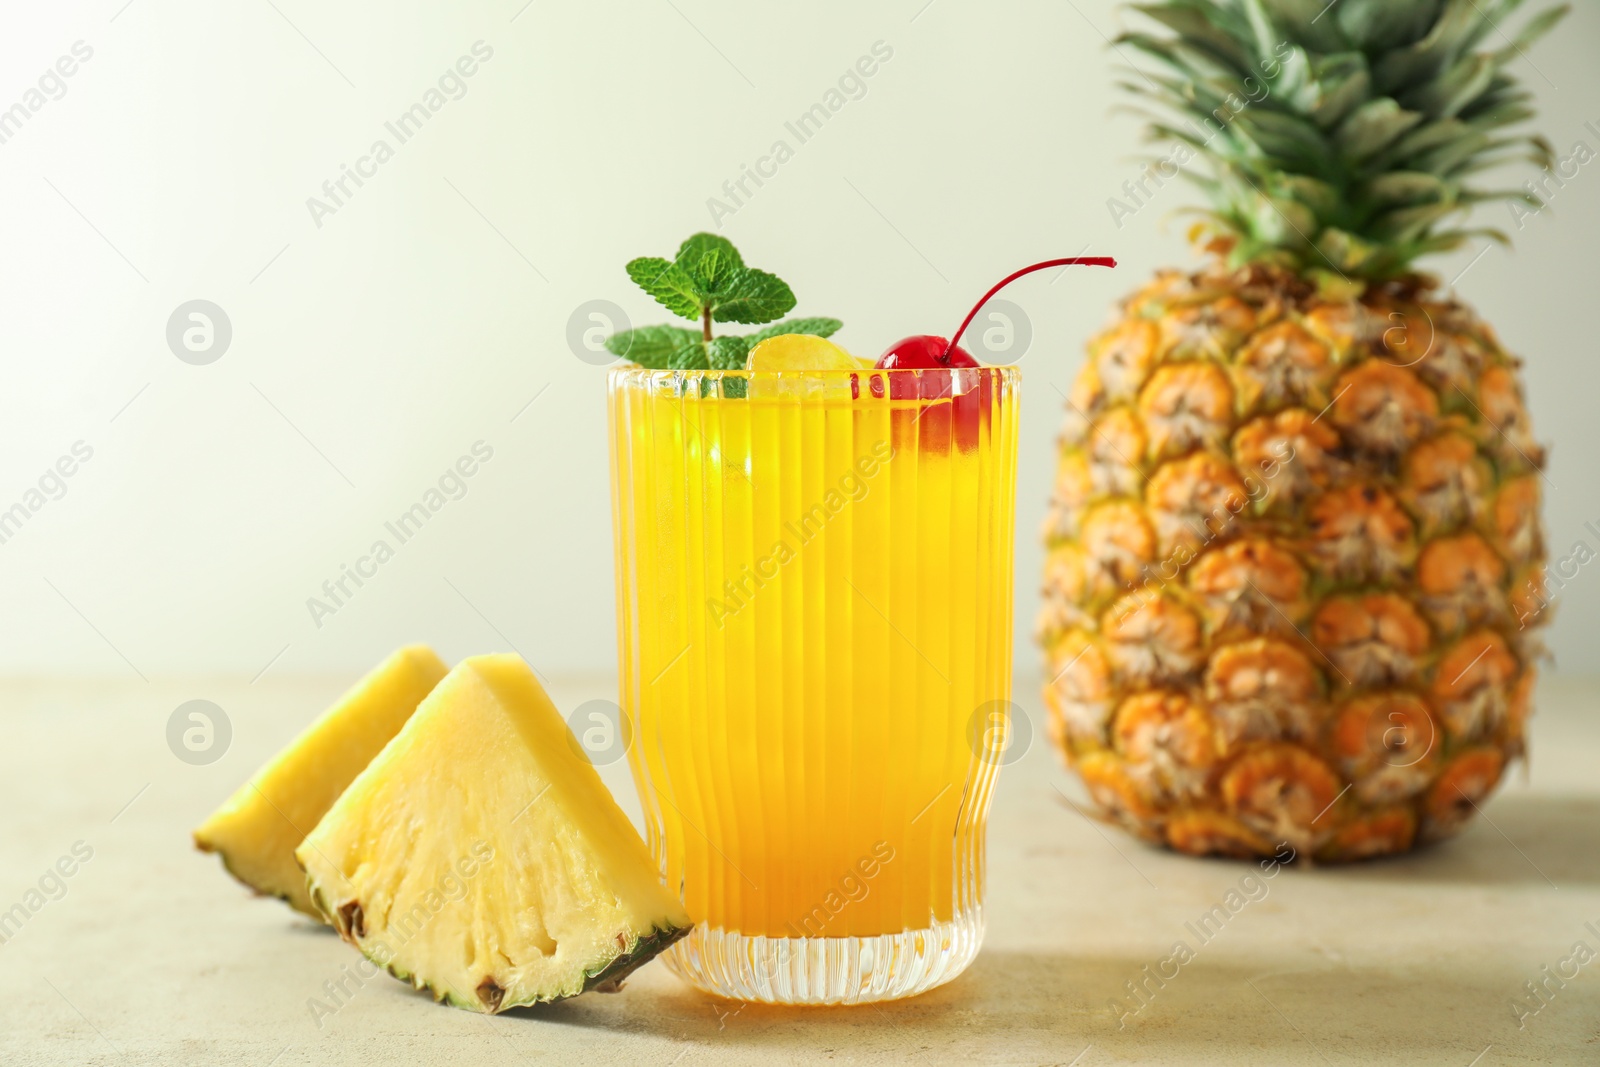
point(634, 371)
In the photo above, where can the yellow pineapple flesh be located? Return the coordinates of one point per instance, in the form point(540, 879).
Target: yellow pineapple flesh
point(480, 856)
point(257, 829)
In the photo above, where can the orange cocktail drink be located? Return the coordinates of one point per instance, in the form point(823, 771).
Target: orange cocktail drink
point(814, 578)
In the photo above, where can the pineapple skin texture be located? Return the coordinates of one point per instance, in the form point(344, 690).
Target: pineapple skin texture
point(257, 829)
point(1295, 569)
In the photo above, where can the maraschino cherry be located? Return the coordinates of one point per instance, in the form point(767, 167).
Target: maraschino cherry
point(924, 352)
point(927, 352)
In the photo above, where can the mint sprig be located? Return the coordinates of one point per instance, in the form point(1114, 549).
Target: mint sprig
point(727, 353)
point(651, 346)
point(711, 261)
point(707, 281)
point(669, 283)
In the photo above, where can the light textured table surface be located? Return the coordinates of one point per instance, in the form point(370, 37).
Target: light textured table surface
point(153, 956)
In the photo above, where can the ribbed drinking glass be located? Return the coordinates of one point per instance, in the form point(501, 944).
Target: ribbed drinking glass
point(814, 602)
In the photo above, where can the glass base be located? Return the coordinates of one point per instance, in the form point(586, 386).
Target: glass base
point(826, 970)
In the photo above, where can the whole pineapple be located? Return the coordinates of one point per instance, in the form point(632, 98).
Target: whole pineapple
point(1295, 556)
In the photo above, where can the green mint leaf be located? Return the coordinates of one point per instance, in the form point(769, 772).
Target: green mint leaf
point(727, 353)
point(753, 296)
point(669, 283)
point(815, 327)
point(735, 388)
point(711, 261)
point(691, 356)
point(650, 346)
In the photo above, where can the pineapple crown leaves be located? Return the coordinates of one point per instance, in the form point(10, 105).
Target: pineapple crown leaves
point(1343, 135)
point(707, 281)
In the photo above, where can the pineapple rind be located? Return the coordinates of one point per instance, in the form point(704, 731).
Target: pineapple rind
point(1437, 552)
point(608, 978)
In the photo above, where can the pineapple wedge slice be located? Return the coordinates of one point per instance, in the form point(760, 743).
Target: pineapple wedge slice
point(480, 856)
point(257, 828)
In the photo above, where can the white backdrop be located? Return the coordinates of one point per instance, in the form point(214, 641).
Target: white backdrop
point(375, 343)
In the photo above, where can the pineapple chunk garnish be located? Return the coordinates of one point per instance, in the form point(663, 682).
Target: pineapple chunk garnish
point(799, 351)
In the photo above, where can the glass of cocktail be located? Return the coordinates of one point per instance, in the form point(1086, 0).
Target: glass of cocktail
point(814, 597)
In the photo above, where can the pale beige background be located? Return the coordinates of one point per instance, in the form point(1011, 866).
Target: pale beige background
point(432, 307)
point(428, 313)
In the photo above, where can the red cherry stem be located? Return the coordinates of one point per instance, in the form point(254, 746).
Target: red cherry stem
point(1087, 261)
